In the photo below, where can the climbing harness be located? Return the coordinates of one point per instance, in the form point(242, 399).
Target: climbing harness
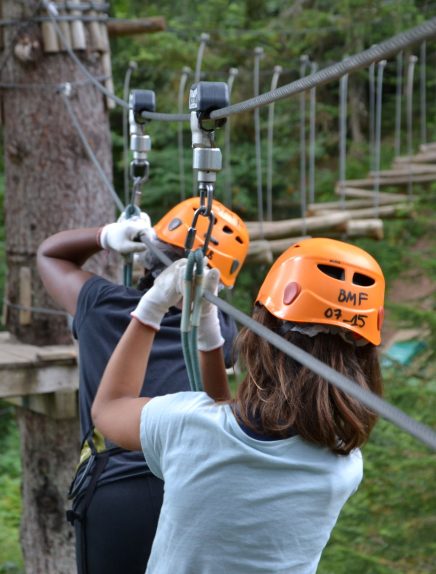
point(140, 145)
point(204, 97)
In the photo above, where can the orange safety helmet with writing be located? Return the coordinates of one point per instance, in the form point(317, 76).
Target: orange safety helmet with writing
point(330, 282)
point(228, 245)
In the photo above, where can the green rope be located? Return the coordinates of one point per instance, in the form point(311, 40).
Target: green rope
point(129, 212)
point(191, 317)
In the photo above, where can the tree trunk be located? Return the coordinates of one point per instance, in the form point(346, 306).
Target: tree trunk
point(50, 185)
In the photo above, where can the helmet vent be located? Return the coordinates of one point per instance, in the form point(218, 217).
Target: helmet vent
point(239, 240)
point(174, 224)
point(227, 229)
point(363, 280)
point(332, 271)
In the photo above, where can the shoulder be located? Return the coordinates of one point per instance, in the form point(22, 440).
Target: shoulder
point(178, 403)
point(96, 291)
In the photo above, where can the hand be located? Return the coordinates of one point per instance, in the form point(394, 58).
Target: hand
point(166, 292)
point(209, 330)
point(122, 236)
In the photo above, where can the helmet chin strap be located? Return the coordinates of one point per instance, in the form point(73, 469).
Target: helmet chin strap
point(314, 329)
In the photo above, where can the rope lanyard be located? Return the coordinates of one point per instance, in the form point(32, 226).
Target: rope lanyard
point(193, 288)
point(191, 317)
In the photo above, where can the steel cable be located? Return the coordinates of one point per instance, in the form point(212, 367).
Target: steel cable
point(89, 151)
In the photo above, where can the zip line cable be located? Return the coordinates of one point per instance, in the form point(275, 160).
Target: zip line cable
point(312, 144)
point(422, 89)
point(378, 405)
point(409, 118)
point(343, 97)
point(270, 142)
point(398, 94)
point(360, 60)
point(377, 134)
point(333, 72)
point(49, 87)
point(258, 54)
point(131, 68)
point(233, 72)
point(64, 93)
point(304, 62)
point(180, 102)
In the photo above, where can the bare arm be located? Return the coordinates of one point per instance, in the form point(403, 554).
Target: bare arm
point(117, 407)
point(213, 372)
point(60, 259)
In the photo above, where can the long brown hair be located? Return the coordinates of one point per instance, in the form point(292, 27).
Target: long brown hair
point(279, 397)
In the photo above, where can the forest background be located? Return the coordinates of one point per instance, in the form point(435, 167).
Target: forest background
point(388, 526)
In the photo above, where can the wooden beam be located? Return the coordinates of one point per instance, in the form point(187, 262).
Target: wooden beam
point(327, 220)
point(289, 227)
point(393, 180)
point(429, 147)
point(406, 169)
point(28, 369)
point(60, 405)
point(370, 194)
point(139, 26)
point(384, 199)
point(422, 157)
point(365, 228)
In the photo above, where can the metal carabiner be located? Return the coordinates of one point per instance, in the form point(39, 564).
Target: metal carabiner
point(192, 231)
point(206, 195)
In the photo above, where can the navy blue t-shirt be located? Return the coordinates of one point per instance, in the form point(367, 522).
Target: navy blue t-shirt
point(103, 314)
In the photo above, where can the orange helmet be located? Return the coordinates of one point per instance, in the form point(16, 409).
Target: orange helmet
point(330, 282)
point(229, 241)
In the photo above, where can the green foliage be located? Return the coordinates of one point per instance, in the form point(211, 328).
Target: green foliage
point(10, 501)
point(386, 527)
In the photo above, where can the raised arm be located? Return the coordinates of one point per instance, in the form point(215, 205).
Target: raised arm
point(60, 259)
point(61, 256)
point(210, 344)
point(117, 407)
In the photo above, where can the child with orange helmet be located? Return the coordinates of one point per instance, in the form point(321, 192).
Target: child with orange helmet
point(256, 483)
point(115, 513)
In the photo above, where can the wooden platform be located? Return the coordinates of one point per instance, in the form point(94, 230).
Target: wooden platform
point(43, 379)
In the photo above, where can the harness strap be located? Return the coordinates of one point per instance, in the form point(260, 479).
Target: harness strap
point(101, 461)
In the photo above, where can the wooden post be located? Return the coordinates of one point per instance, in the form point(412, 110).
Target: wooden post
point(78, 36)
point(65, 28)
point(50, 185)
point(137, 26)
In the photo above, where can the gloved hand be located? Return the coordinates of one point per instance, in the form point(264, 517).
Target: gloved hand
point(119, 236)
point(166, 292)
point(209, 330)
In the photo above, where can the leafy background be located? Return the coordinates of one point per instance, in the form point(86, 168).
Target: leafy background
point(389, 524)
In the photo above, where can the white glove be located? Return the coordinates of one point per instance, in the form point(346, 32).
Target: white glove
point(209, 330)
point(120, 236)
point(166, 292)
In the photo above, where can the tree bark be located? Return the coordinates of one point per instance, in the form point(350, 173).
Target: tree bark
point(50, 185)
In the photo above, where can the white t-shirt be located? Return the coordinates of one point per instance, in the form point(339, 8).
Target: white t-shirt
point(234, 504)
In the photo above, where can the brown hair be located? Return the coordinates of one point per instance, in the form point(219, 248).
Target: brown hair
point(279, 397)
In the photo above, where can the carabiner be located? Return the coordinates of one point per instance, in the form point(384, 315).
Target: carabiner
point(192, 231)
